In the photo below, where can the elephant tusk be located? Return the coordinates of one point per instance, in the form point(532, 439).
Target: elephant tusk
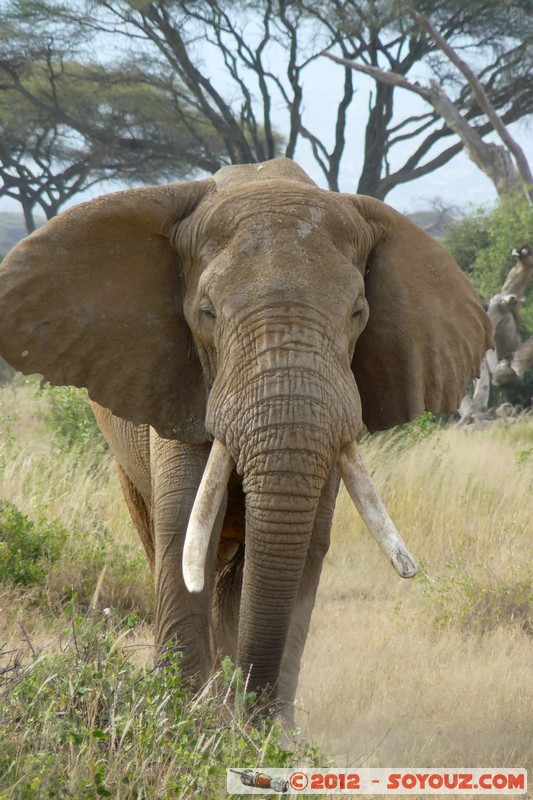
point(203, 515)
point(372, 510)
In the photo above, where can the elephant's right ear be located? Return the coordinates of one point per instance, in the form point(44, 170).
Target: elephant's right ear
point(93, 299)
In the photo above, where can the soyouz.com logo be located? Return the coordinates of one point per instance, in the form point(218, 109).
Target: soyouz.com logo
point(376, 781)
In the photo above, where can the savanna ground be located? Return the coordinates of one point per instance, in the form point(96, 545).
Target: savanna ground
point(436, 671)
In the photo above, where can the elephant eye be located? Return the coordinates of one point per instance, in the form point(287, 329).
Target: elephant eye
point(206, 308)
point(359, 308)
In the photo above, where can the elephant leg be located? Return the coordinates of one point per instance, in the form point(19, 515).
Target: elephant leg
point(130, 444)
point(139, 514)
point(228, 584)
point(180, 617)
point(305, 601)
point(226, 606)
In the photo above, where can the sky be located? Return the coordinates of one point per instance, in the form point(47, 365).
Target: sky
point(459, 183)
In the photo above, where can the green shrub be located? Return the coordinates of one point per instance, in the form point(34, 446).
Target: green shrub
point(468, 237)
point(58, 563)
point(27, 549)
point(69, 416)
point(481, 603)
point(423, 426)
point(403, 436)
point(88, 723)
point(482, 243)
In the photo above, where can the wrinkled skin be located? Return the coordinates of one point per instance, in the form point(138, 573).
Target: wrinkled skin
point(275, 317)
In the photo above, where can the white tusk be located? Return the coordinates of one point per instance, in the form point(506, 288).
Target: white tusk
point(203, 515)
point(372, 510)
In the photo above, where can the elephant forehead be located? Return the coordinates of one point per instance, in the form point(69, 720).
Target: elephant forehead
point(249, 274)
point(274, 210)
point(263, 243)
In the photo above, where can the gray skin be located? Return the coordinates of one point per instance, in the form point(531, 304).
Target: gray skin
point(234, 309)
point(167, 474)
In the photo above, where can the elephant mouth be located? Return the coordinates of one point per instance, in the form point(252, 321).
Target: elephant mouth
point(356, 478)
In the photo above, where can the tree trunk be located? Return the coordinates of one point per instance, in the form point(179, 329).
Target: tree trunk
point(376, 141)
point(494, 160)
point(29, 219)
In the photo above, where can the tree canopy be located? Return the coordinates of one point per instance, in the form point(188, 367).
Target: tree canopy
point(483, 241)
point(182, 86)
point(68, 121)
point(44, 161)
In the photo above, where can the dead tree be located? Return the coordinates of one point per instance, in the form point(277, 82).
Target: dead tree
point(507, 364)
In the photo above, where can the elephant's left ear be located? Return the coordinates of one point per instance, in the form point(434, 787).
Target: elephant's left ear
point(427, 332)
point(93, 299)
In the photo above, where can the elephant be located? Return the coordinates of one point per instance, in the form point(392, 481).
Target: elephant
point(237, 335)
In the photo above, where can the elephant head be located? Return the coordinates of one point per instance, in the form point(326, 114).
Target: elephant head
point(259, 311)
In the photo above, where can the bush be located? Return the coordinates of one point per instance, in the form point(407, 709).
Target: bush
point(88, 723)
point(59, 563)
point(480, 604)
point(468, 237)
point(27, 549)
point(482, 242)
point(70, 418)
point(420, 428)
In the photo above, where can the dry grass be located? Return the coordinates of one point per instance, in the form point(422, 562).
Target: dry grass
point(430, 672)
point(48, 482)
point(409, 673)
point(38, 476)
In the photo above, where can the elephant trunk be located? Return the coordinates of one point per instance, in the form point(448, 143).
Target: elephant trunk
point(285, 439)
point(283, 490)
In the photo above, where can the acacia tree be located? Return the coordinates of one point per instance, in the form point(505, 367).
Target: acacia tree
point(42, 164)
point(45, 159)
point(506, 165)
point(67, 124)
point(239, 67)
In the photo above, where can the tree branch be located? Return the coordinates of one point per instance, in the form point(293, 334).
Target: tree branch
point(390, 78)
point(480, 95)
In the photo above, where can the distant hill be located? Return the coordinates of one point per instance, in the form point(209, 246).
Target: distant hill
point(12, 230)
point(434, 221)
